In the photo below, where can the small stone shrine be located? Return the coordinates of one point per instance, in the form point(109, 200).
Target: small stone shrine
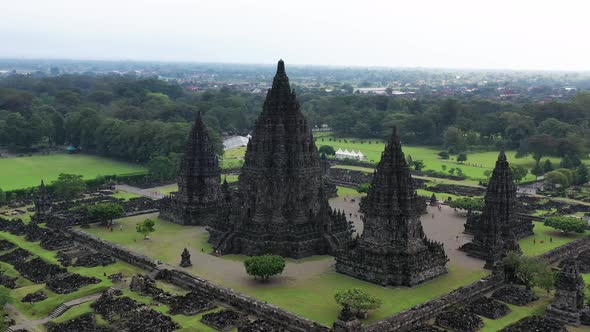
point(568, 301)
point(185, 258)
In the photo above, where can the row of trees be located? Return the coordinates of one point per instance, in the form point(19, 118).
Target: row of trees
point(138, 119)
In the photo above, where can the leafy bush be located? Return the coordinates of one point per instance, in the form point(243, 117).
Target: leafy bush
point(567, 224)
point(264, 266)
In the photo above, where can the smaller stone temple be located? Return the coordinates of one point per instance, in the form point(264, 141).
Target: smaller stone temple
point(494, 234)
point(185, 258)
point(433, 200)
point(199, 194)
point(393, 249)
point(42, 204)
point(568, 301)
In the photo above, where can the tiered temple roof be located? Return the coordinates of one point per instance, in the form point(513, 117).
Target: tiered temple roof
point(393, 250)
point(281, 206)
point(494, 236)
point(199, 193)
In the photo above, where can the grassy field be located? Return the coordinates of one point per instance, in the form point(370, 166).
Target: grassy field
point(473, 168)
point(541, 241)
point(23, 172)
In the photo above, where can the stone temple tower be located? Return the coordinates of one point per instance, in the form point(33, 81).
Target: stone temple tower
point(42, 204)
point(568, 301)
point(393, 249)
point(281, 206)
point(199, 193)
point(494, 236)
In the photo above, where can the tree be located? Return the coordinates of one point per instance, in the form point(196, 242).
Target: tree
point(327, 149)
point(444, 155)
point(454, 139)
point(468, 203)
point(363, 188)
point(537, 170)
point(409, 160)
point(264, 266)
point(545, 279)
point(2, 197)
point(570, 161)
point(145, 227)
point(527, 270)
point(547, 166)
point(582, 174)
point(106, 212)
point(567, 224)
point(418, 165)
point(556, 178)
point(161, 168)
point(518, 172)
point(68, 186)
point(461, 157)
point(358, 301)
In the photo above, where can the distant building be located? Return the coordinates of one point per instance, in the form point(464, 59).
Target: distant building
point(350, 155)
point(235, 142)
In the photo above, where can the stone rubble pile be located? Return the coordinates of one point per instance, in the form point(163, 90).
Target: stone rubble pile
point(489, 308)
point(224, 320)
point(34, 297)
point(515, 295)
point(535, 324)
point(460, 320)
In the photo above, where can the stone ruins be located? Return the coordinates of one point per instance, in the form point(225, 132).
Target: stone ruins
point(568, 301)
point(393, 249)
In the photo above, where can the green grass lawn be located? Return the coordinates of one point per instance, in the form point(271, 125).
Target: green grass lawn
point(23, 172)
point(544, 233)
point(473, 168)
point(124, 195)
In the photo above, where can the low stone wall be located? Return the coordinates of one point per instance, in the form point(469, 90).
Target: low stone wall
point(242, 302)
point(569, 250)
point(112, 249)
point(428, 310)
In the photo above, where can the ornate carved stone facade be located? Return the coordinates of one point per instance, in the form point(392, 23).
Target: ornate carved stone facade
point(281, 204)
point(393, 249)
point(199, 195)
point(568, 301)
point(494, 235)
point(522, 228)
point(42, 204)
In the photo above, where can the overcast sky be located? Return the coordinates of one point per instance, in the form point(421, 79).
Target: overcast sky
point(511, 34)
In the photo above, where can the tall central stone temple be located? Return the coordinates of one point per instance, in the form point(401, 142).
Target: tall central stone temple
point(494, 236)
point(281, 206)
point(393, 250)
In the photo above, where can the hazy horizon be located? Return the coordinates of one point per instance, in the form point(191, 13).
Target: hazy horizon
point(459, 34)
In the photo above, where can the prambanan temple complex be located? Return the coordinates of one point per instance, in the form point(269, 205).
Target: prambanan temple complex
point(494, 236)
point(199, 195)
point(281, 205)
point(393, 250)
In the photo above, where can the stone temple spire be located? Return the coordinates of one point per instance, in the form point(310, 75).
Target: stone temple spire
point(281, 206)
point(495, 233)
point(393, 249)
point(42, 204)
point(199, 191)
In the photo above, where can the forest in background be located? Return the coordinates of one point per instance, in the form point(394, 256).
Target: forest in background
point(137, 119)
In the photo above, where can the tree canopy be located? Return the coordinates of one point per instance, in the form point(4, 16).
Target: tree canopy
point(146, 227)
point(68, 186)
point(264, 266)
point(567, 224)
point(357, 300)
